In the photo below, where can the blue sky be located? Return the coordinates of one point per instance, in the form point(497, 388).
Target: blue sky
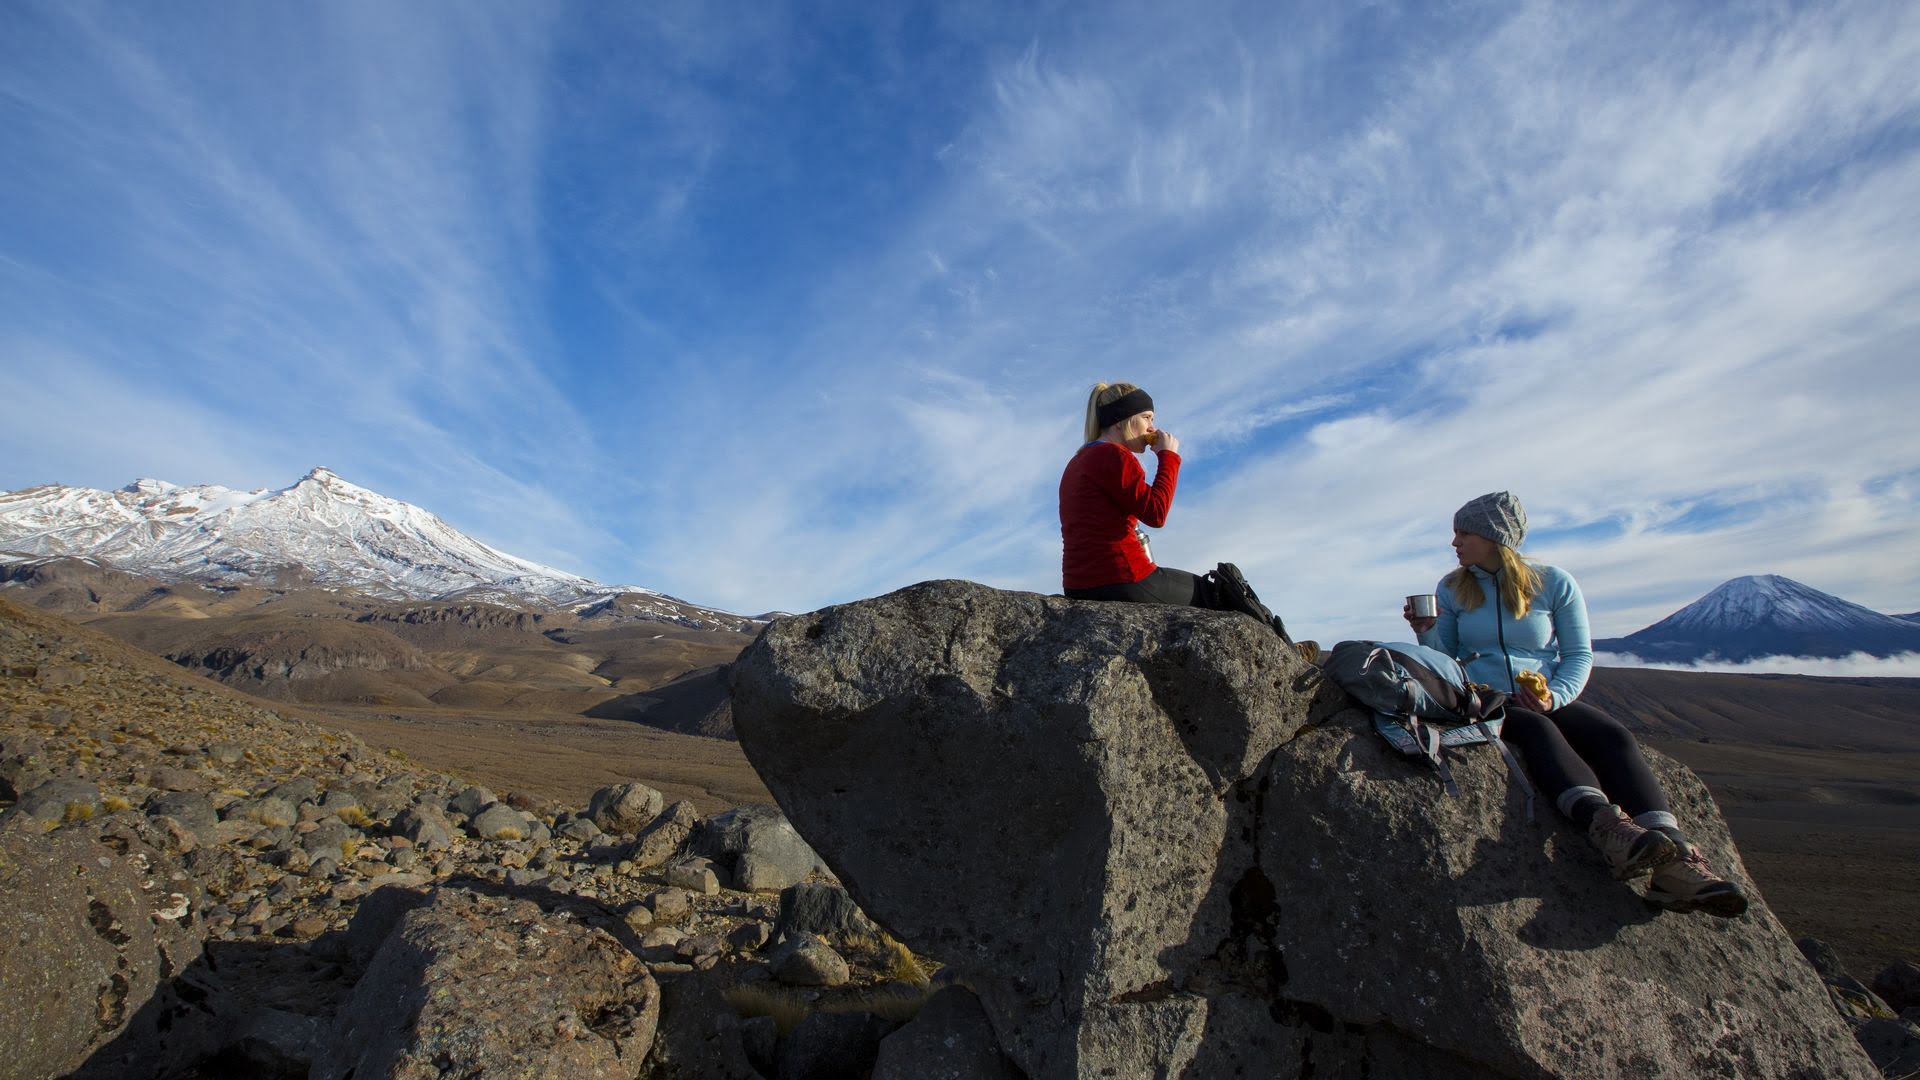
point(782, 309)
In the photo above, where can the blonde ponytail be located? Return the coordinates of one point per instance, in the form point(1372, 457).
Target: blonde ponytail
point(1519, 584)
point(1103, 394)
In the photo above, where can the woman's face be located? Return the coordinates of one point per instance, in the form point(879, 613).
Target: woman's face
point(1476, 550)
point(1134, 431)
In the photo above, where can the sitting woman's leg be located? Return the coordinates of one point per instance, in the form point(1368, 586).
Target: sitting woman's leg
point(1164, 586)
point(1687, 883)
point(1613, 754)
point(1562, 772)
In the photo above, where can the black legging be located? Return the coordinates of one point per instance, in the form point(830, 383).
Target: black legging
point(1577, 745)
point(1164, 586)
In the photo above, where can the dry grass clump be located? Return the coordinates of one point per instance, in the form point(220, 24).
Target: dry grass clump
point(114, 804)
point(354, 816)
point(76, 811)
point(789, 1005)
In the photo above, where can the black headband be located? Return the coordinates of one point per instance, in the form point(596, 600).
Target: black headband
point(1136, 401)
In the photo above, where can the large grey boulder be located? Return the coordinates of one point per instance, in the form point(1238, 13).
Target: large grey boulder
point(1156, 843)
point(476, 985)
point(779, 856)
point(624, 809)
point(98, 924)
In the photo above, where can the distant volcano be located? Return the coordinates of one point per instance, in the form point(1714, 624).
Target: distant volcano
point(1769, 615)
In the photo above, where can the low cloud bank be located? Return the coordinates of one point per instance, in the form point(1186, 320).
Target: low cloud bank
point(1905, 665)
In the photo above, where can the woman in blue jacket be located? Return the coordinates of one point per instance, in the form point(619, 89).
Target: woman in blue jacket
point(1501, 617)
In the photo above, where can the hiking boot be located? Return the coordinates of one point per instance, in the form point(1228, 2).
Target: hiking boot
point(1688, 884)
point(1630, 850)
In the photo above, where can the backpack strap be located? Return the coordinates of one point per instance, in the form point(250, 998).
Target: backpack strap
point(1513, 766)
point(1429, 740)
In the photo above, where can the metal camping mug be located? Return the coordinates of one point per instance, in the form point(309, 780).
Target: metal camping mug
point(1424, 605)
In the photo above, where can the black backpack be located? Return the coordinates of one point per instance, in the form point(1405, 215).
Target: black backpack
point(1232, 593)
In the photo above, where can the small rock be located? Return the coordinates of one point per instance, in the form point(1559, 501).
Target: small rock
point(693, 878)
point(759, 1035)
point(950, 1038)
point(625, 809)
point(56, 801)
point(500, 822)
point(169, 778)
point(827, 1046)
point(424, 828)
point(298, 790)
point(638, 918)
point(748, 935)
point(227, 753)
point(805, 960)
point(667, 903)
point(1898, 984)
point(582, 830)
point(1894, 1045)
point(308, 926)
point(471, 801)
point(271, 811)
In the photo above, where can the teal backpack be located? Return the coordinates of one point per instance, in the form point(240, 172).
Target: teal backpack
point(1422, 703)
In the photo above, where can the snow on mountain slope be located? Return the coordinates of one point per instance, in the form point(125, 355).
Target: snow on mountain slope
point(322, 531)
point(1768, 615)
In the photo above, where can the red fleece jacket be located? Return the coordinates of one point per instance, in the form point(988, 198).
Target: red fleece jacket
point(1102, 494)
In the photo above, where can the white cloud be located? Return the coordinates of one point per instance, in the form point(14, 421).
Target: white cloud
point(1858, 665)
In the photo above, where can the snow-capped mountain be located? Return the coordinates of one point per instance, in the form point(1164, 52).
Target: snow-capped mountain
point(1768, 615)
point(320, 532)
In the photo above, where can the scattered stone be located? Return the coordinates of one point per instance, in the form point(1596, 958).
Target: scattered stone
point(85, 965)
point(949, 1039)
point(424, 827)
point(471, 801)
point(748, 935)
point(1898, 984)
point(582, 830)
point(638, 918)
point(699, 1035)
point(227, 753)
point(190, 808)
point(271, 811)
point(832, 1045)
point(56, 801)
point(823, 909)
point(667, 904)
point(300, 789)
point(435, 999)
point(805, 960)
point(624, 809)
point(658, 841)
point(693, 877)
point(761, 830)
point(500, 822)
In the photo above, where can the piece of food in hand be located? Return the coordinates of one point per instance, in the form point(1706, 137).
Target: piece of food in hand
point(1534, 683)
point(1153, 438)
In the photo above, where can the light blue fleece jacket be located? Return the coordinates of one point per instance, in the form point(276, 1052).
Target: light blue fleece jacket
point(1491, 644)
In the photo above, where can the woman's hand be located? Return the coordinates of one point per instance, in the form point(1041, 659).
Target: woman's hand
point(1525, 699)
point(1420, 625)
point(1165, 441)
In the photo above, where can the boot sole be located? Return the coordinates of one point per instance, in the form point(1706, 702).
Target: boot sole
point(1724, 904)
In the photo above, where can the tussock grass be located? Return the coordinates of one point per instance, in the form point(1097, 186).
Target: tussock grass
point(76, 811)
point(788, 1005)
point(354, 816)
point(114, 804)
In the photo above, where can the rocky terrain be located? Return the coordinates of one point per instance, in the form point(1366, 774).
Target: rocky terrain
point(1099, 826)
point(207, 886)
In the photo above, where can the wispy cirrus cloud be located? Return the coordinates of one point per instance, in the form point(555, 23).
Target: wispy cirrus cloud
point(778, 312)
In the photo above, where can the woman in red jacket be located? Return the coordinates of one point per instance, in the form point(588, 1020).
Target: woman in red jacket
point(1105, 496)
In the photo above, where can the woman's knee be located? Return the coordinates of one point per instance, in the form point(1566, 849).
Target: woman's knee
point(1525, 726)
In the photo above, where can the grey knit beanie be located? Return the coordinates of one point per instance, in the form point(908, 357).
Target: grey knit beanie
point(1499, 517)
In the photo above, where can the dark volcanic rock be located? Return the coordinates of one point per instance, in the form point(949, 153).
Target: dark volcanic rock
point(1157, 844)
point(831, 1046)
point(487, 985)
point(949, 1039)
point(782, 857)
point(98, 923)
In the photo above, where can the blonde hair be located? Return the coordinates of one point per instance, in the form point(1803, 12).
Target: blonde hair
point(1103, 394)
point(1519, 584)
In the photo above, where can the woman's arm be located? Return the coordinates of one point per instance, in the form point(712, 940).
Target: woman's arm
point(1445, 632)
point(1575, 642)
point(1127, 485)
